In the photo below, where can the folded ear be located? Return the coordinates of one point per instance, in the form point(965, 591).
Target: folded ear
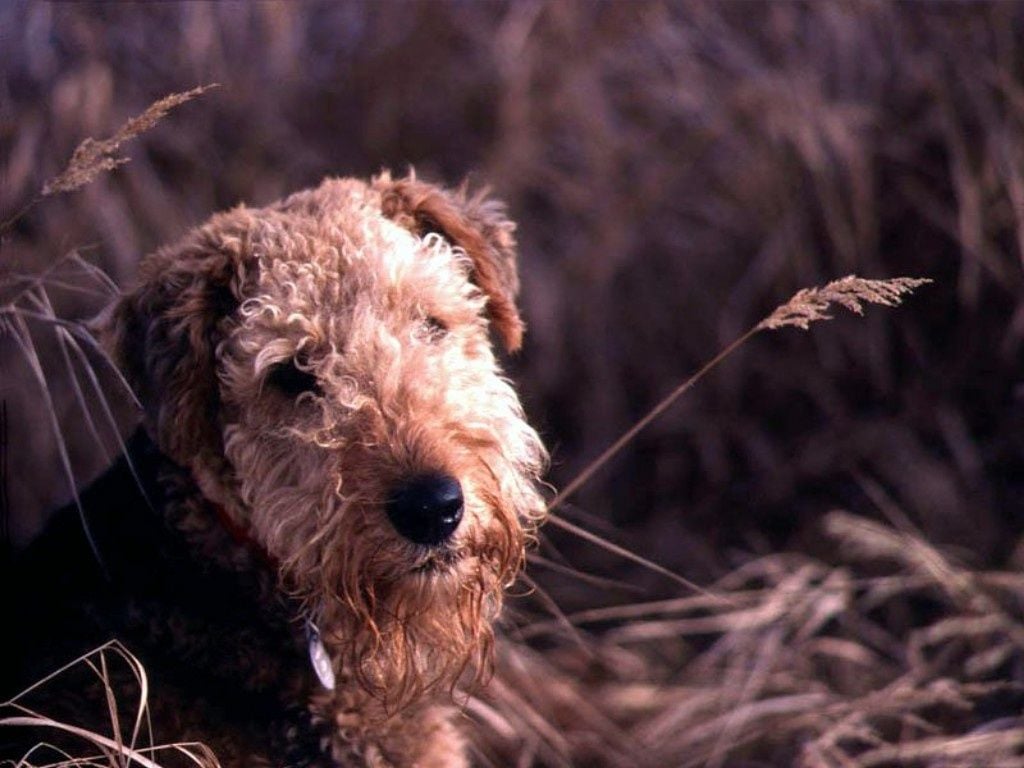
point(477, 225)
point(163, 334)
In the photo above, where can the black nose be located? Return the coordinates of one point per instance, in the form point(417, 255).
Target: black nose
point(426, 509)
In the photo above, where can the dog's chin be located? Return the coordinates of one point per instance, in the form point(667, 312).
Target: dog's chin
point(430, 625)
point(437, 562)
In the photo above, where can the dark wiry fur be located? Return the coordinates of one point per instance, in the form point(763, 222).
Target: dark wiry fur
point(219, 644)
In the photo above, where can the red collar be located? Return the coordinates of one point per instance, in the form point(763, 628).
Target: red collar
point(241, 536)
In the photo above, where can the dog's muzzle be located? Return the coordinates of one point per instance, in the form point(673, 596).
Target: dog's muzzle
point(426, 509)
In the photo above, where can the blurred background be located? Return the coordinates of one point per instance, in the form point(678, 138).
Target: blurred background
point(676, 169)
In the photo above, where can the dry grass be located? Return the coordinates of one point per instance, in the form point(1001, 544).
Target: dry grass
point(851, 292)
point(795, 662)
point(25, 301)
point(808, 305)
point(126, 742)
point(96, 156)
point(93, 157)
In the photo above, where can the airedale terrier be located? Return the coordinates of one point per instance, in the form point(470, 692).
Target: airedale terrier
point(310, 542)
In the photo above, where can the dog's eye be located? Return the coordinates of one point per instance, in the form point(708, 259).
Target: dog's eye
point(435, 328)
point(426, 225)
point(292, 381)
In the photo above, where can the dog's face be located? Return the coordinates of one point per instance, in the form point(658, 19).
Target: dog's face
point(324, 368)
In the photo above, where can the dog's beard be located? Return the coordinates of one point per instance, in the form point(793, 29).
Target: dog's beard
point(421, 633)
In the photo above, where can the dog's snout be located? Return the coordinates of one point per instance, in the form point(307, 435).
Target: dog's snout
point(426, 509)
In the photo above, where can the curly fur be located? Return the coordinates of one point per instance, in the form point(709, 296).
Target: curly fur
point(380, 298)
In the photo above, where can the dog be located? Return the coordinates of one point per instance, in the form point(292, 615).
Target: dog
point(308, 542)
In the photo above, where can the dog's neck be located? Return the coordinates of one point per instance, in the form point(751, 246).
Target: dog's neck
point(319, 659)
point(242, 535)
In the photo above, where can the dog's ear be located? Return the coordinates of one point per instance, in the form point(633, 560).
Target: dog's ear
point(164, 331)
point(475, 223)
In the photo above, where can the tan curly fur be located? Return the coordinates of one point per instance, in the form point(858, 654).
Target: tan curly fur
point(386, 292)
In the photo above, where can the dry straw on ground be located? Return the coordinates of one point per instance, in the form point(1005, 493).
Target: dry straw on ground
point(802, 664)
point(129, 742)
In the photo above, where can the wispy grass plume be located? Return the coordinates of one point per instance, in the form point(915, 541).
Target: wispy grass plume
point(95, 156)
point(851, 292)
point(805, 307)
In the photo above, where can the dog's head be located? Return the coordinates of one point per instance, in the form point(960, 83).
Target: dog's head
point(323, 367)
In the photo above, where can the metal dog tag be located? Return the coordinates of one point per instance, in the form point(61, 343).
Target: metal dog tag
point(318, 656)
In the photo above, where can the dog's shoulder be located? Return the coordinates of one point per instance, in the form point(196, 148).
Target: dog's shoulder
point(60, 584)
